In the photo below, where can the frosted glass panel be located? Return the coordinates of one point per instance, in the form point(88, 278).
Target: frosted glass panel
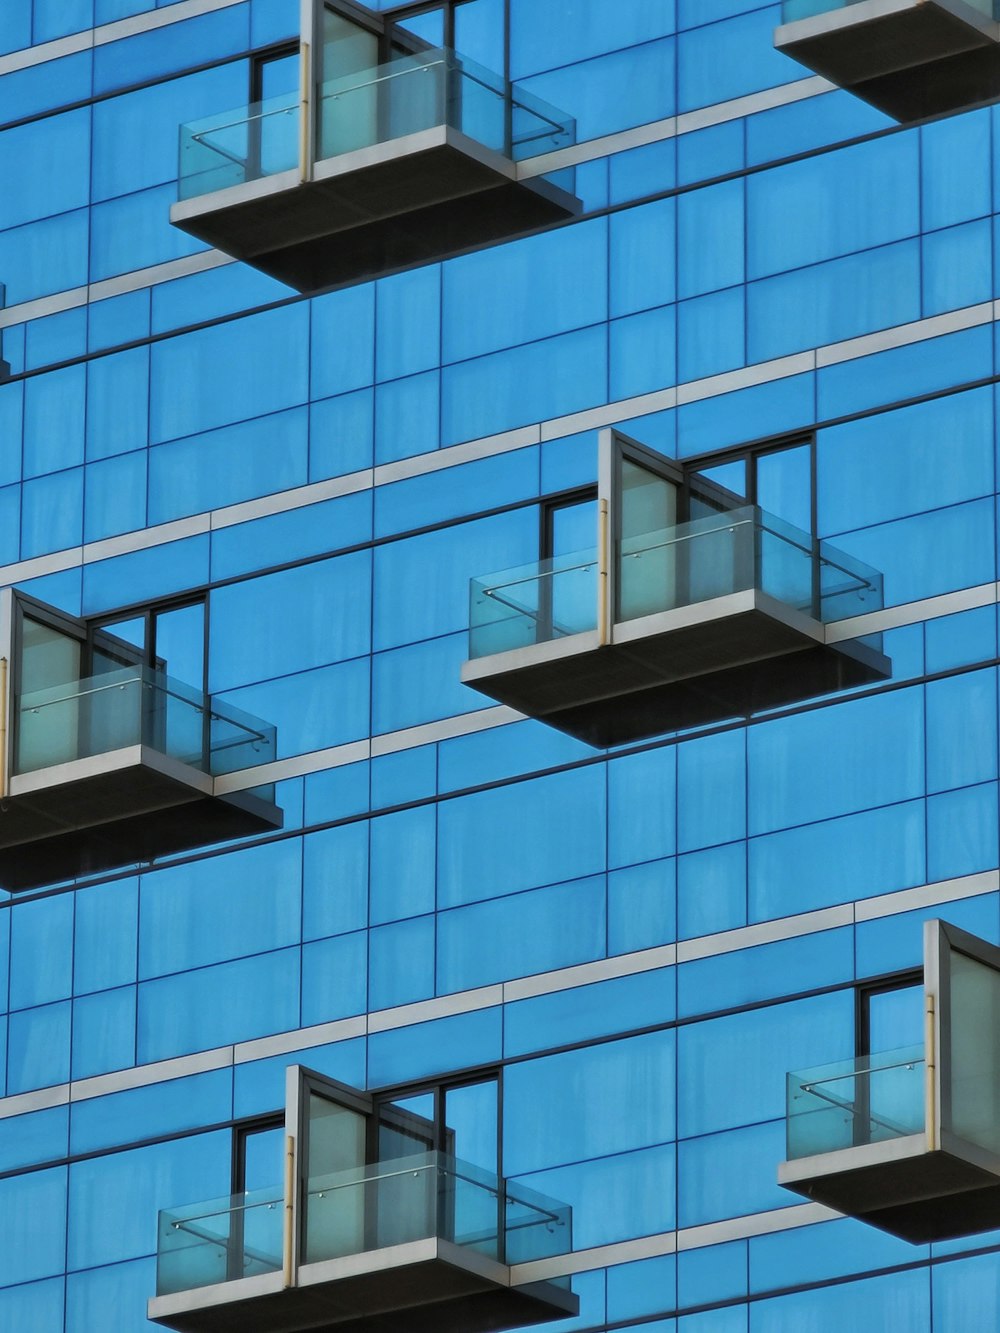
point(975, 1052)
point(336, 1143)
point(648, 505)
point(48, 659)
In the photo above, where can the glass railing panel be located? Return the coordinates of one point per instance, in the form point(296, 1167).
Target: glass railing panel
point(974, 1064)
point(219, 1241)
point(240, 145)
point(135, 705)
point(536, 603)
point(785, 562)
point(854, 1102)
point(848, 587)
point(791, 10)
point(683, 565)
point(432, 1194)
point(430, 88)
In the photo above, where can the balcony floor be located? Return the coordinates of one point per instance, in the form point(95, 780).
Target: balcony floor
point(374, 210)
point(120, 808)
point(725, 658)
point(909, 58)
point(427, 1286)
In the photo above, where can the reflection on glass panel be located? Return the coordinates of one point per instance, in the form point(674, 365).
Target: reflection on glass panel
point(49, 661)
point(864, 1100)
point(975, 1052)
point(334, 1224)
point(279, 79)
point(784, 485)
point(347, 119)
point(573, 529)
point(896, 1018)
point(419, 31)
point(215, 1241)
point(479, 31)
point(470, 1116)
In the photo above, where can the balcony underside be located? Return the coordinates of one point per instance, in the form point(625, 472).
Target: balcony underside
point(909, 58)
point(423, 1287)
point(901, 1188)
point(116, 809)
point(372, 211)
point(730, 657)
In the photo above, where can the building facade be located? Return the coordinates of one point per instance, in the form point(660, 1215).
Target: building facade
point(327, 847)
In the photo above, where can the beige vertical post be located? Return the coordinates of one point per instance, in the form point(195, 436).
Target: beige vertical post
point(3, 727)
point(305, 102)
point(603, 561)
point(930, 1074)
point(289, 1230)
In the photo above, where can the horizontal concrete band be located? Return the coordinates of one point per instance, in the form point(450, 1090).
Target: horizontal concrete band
point(873, 908)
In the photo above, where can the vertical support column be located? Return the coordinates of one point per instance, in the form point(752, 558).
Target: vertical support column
point(288, 1234)
point(603, 566)
point(7, 619)
point(930, 1074)
point(310, 22)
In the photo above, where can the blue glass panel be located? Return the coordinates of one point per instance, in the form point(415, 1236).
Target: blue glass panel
point(430, 1049)
point(113, 1200)
point(55, 338)
point(330, 623)
point(15, 26)
point(962, 832)
point(407, 417)
point(266, 370)
point(312, 710)
point(504, 752)
point(49, 159)
point(818, 865)
point(342, 341)
point(747, 414)
point(293, 535)
point(421, 684)
point(710, 226)
point(103, 1032)
point(32, 1226)
point(53, 421)
point(341, 434)
point(812, 123)
point(642, 1288)
point(41, 962)
point(641, 906)
point(218, 1006)
point(337, 794)
point(35, 1307)
point(123, 1288)
point(716, 1273)
point(711, 334)
point(727, 60)
point(643, 171)
point(872, 755)
point(896, 942)
point(551, 283)
point(731, 1174)
point(422, 584)
point(168, 49)
point(273, 21)
point(525, 384)
point(711, 781)
point(118, 319)
point(956, 267)
point(44, 257)
point(716, 151)
point(763, 1044)
point(965, 1291)
point(403, 858)
point(898, 1300)
point(401, 968)
point(961, 730)
point(219, 908)
point(38, 1047)
point(643, 353)
point(161, 1109)
point(115, 497)
point(591, 92)
point(134, 232)
point(505, 478)
point(641, 807)
point(406, 776)
point(144, 575)
point(536, 931)
point(825, 303)
point(584, 1012)
point(832, 204)
point(227, 466)
point(41, 1136)
point(11, 422)
point(711, 890)
point(408, 315)
point(560, 835)
point(579, 1105)
point(816, 1254)
point(579, 30)
point(334, 978)
point(955, 176)
point(616, 1198)
point(135, 135)
point(260, 1084)
point(117, 402)
point(335, 881)
point(748, 975)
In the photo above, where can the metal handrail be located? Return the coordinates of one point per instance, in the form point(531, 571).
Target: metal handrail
point(542, 574)
point(180, 1223)
point(813, 1084)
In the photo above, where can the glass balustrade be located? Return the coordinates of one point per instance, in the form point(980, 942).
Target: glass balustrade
point(855, 1102)
point(360, 1210)
point(377, 105)
point(684, 565)
point(792, 10)
point(136, 705)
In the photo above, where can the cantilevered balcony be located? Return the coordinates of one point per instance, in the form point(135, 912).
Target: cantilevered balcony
point(394, 165)
point(424, 1243)
point(909, 58)
point(719, 617)
point(113, 768)
point(909, 1140)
